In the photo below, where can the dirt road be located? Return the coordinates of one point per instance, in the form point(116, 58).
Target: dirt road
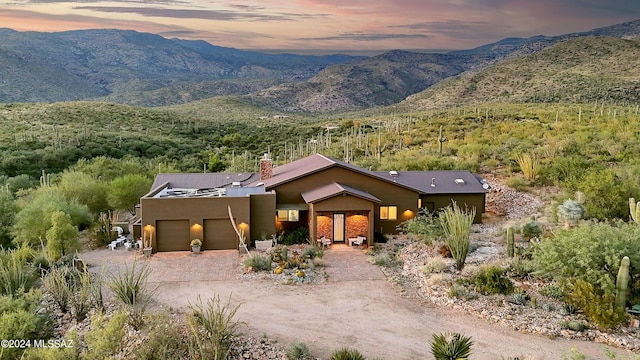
point(369, 315)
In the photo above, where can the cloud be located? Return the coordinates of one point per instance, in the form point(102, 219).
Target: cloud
point(365, 37)
point(451, 26)
point(224, 15)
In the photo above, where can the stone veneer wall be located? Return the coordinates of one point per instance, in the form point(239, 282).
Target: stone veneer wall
point(325, 226)
point(357, 225)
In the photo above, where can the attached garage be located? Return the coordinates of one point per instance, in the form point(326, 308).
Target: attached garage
point(219, 235)
point(172, 235)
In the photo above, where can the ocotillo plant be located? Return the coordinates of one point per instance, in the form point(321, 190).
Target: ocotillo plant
point(510, 242)
point(622, 283)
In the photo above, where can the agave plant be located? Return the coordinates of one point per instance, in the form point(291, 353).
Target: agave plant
point(451, 346)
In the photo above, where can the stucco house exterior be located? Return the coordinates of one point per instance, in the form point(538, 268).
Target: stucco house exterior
point(331, 198)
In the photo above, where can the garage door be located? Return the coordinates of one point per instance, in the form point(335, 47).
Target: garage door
point(219, 235)
point(172, 235)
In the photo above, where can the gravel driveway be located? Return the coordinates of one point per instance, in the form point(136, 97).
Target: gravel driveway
point(355, 307)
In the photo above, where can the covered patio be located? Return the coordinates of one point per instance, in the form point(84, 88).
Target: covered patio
point(340, 213)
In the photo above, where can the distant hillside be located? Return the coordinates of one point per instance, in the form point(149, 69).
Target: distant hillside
point(141, 69)
point(389, 78)
point(138, 68)
point(515, 47)
point(381, 80)
point(582, 69)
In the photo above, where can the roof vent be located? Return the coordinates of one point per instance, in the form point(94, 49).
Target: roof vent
point(433, 182)
point(459, 181)
point(394, 174)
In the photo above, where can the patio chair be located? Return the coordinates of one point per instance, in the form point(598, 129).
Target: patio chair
point(324, 242)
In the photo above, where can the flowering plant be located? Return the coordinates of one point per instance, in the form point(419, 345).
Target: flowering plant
point(196, 242)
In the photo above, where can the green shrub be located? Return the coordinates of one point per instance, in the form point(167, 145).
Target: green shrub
point(21, 318)
point(346, 353)
point(451, 346)
point(297, 236)
point(379, 237)
point(212, 328)
point(383, 259)
point(552, 291)
point(606, 194)
point(518, 184)
point(258, 262)
point(434, 266)
point(313, 252)
point(41, 263)
point(522, 268)
point(589, 252)
point(492, 280)
point(15, 273)
point(62, 236)
point(458, 292)
point(597, 305)
point(424, 226)
point(165, 339)
point(69, 349)
point(298, 351)
point(104, 339)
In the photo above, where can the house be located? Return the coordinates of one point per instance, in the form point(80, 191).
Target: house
point(331, 198)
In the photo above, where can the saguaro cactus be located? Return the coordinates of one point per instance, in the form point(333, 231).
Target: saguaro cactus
point(622, 283)
point(510, 242)
point(441, 140)
point(634, 209)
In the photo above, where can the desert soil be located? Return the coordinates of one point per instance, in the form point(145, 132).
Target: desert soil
point(373, 316)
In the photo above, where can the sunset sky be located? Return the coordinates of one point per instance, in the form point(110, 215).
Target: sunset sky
point(328, 25)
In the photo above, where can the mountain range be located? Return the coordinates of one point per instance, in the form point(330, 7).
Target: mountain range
point(142, 69)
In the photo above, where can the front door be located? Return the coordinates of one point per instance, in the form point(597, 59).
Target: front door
point(338, 227)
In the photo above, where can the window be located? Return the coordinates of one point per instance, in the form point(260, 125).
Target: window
point(288, 215)
point(388, 212)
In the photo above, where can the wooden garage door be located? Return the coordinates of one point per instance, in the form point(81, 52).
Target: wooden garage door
point(219, 235)
point(172, 235)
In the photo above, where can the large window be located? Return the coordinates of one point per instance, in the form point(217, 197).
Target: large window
point(388, 212)
point(288, 215)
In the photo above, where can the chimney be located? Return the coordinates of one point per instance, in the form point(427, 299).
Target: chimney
point(266, 167)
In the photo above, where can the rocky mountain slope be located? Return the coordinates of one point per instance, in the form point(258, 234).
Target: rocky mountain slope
point(142, 69)
point(583, 69)
point(138, 68)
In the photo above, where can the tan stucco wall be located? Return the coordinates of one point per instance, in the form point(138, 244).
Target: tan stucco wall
point(263, 210)
point(476, 201)
point(196, 210)
point(389, 194)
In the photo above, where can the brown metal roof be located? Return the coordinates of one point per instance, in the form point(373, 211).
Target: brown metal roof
point(203, 180)
point(419, 181)
point(444, 181)
point(334, 189)
point(312, 164)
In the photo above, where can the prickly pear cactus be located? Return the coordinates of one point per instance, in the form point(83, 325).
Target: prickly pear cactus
point(510, 242)
point(622, 283)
